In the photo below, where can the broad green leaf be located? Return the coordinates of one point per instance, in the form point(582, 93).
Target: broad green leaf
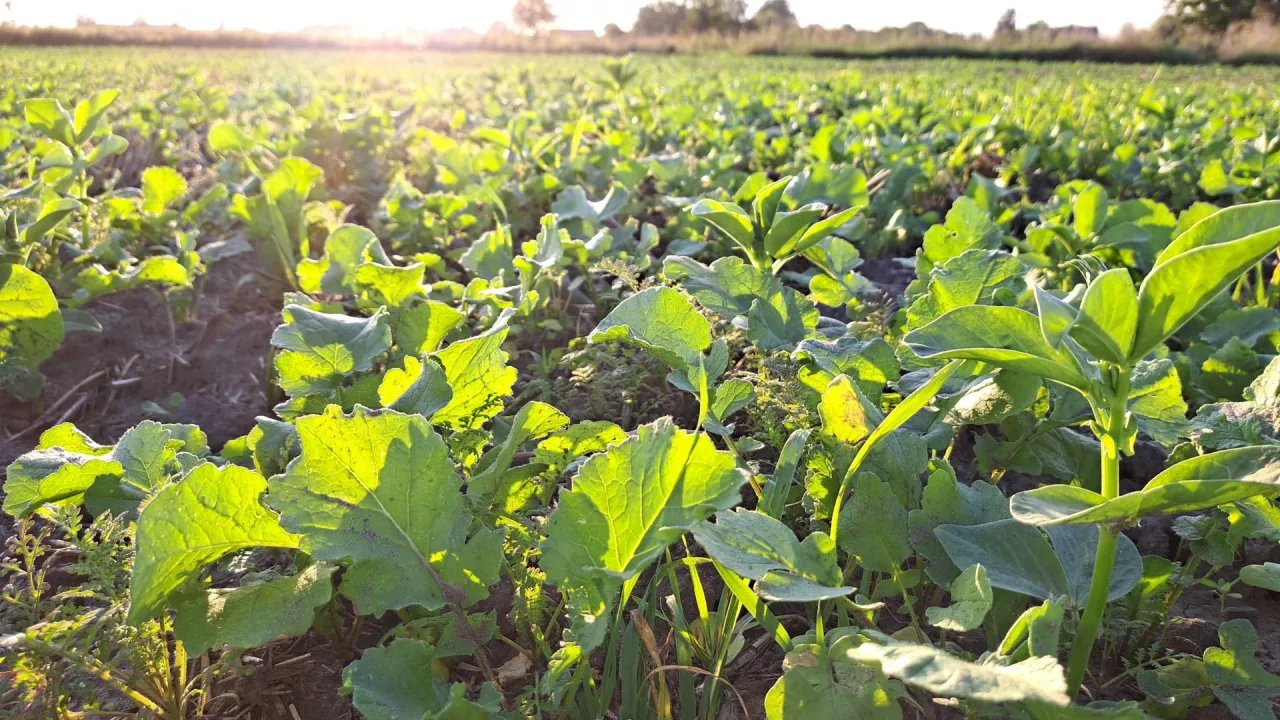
point(967, 227)
point(781, 321)
point(762, 548)
point(728, 286)
point(630, 502)
point(975, 277)
point(971, 598)
point(52, 213)
point(729, 219)
point(48, 117)
point(847, 415)
point(210, 513)
point(946, 501)
point(477, 370)
point(161, 187)
point(420, 388)
point(783, 236)
point(1002, 336)
point(1196, 484)
point(395, 682)
point(1254, 421)
point(321, 349)
point(663, 322)
point(534, 420)
point(940, 673)
point(389, 285)
point(1096, 710)
point(1227, 372)
point(873, 525)
point(1108, 316)
point(31, 327)
point(67, 466)
point(991, 398)
point(1265, 575)
point(1198, 265)
point(252, 615)
point(88, 113)
point(378, 488)
point(821, 683)
point(1090, 210)
point(765, 203)
point(422, 328)
point(490, 255)
point(1155, 399)
point(572, 204)
point(1020, 559)
point(870, 364)
point(823, 229)
point(227, 138)
point(1240, 682)
point(561, 448)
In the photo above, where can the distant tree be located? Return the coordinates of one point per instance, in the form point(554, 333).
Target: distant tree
point(716, 15)
point(532, 14)
point(1217, 15)
point(774, 13)
point(612, 30)
point(1007, 26)
point(664, 17)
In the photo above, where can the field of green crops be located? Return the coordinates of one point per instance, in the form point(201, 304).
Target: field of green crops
point(405, 386)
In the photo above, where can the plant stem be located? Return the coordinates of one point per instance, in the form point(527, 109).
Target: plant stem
point(1112, 442)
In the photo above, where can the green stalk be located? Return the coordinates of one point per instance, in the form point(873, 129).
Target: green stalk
point(1112, 441)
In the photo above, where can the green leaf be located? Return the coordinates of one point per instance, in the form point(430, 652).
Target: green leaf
point(423, 327)
point(533, 421)
point(974, 277)
point(490, 255)
point(1108, 316)
point(1227, 372)
point(161, 187)
point(948, 502)
point(252, 615)
point(821, 683)
point(52, 213)
point(870, 364)
point(89, 112)
point(67, 466)
point(1036, 631)
point(1240, 682)
point(187, 525)
point(1222, 426)
point(1265, 576)
point(873, 525)
point(420, 388)
point(781, 321)
point(967, 227)
point(378, 488)
point(729, 219)
point(227, 138)
point(663, 322)
point(1090, 210)
point(321, 349)
point(49, 118)
point(729, 286)
point(783, 237)
point(630, 502)
point(1002, 336)
point(847, 415)
point(477, 370)
point(30, 325)
point(396, 683)
point(1198, 265)
point(991, 398)
point(971, 598)
point(1020, 559)
point(762, 548)
point(934, 670)
point(1195, 484)
point(1155, 399)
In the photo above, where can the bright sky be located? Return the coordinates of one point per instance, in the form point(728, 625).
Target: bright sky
point(967, 16)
